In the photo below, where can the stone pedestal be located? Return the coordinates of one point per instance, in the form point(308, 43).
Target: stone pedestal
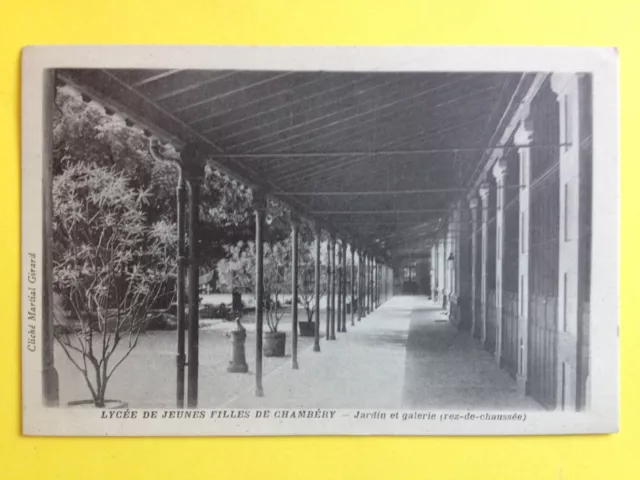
point(239, 362)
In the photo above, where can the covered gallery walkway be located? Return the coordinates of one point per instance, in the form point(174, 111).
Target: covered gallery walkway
point(472, 188)
point(405, 355)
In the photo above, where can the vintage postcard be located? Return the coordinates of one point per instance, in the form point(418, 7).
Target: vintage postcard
point(320, 240)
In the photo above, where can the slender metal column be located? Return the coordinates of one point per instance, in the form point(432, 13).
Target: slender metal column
point(436, 271)
point(370, 285)
point(376, 267)
point(50, 382)
point(193, 158)
point(329, 289)
point(373, 279)
point(316, 338)
point(366, 284)
point(340, 273)
point(353, 285)
point(343, 298)
point(373, 284)
point(360, 255)
point(376, 284)
point(194, 321)
point(181, 357)
point(295, 226)
point(334, 272)
point(260, 206)
point(383, 283)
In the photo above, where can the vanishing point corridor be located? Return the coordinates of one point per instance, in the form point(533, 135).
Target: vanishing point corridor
point(404, 355)
point(463, 250)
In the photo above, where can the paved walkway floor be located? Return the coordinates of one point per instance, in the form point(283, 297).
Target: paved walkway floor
point(404, 355)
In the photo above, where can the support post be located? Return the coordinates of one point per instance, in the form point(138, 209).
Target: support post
point(474, 204)
point(381, 286)
point(445, 268)
point(334, 275)
point(371, 284)
point(295, 227)
point(329, 288)
point(435, 267)
point(363, 293)
point(353, 285)
point(360, 302)
point(260, 207)
point(383, 283)
point(50, 381)
point(522, 138)
point(367, 276)
point(339, 277)
point(193, 157)
point(499, 172)
point(463, 267)
point(386, 283)
point(181, 358)
point(374, 275)
point(574, 258)
point(376, 283)
point(343, 299)
point(316, 338)
point(380, 283)
point(484, 291)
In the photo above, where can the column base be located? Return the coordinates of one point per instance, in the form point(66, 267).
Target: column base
point(497, 357)
point(460, 312)
point(50, 387)
point(521, 384)
point(237, 368)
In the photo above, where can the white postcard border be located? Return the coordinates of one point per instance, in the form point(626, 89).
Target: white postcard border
point(603, 413)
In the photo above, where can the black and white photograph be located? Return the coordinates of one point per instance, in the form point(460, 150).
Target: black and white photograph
point(320, 241)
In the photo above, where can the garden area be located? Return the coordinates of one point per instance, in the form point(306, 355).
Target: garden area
point(115, 256)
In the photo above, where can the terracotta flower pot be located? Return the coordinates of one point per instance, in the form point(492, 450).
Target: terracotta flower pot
point(274, 344)
point(307, 329)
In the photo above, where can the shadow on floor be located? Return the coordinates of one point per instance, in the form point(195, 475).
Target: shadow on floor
point(446, 368)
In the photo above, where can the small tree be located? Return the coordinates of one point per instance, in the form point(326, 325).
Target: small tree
point(238, 270)
point(307, 279)
point(277, 281)
point(110, 268)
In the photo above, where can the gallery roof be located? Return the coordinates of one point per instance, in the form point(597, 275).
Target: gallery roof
point(380, 156)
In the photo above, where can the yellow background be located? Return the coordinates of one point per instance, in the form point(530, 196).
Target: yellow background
point(551, 22)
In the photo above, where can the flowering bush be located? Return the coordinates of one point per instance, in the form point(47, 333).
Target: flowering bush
point(110, 267)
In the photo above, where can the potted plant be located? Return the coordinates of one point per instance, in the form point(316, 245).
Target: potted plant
point(277, 279)
point(110, 268)
point(237, 270)
point(307, 289)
